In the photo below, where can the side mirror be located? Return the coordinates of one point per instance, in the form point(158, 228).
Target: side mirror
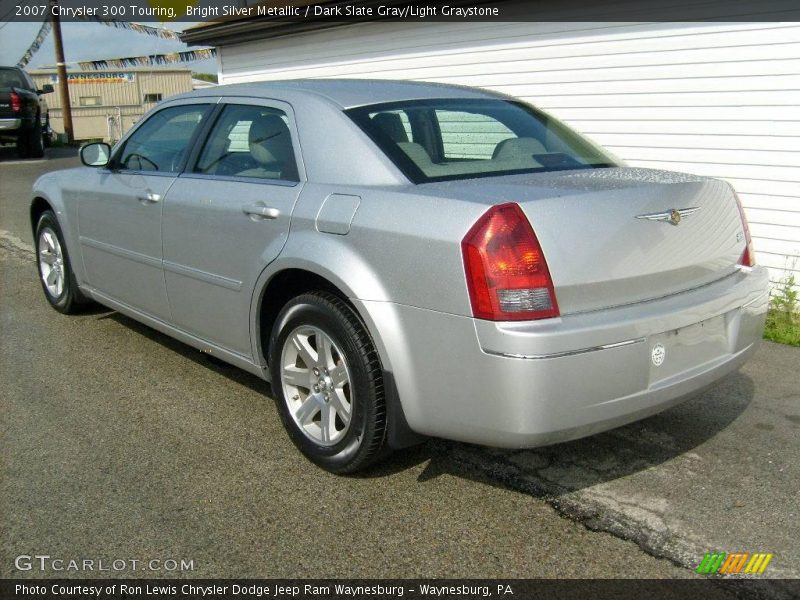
point(46, 89)
point(96, 154)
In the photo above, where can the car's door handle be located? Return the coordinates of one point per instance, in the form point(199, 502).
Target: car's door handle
point(150, 198)
point(259, 211)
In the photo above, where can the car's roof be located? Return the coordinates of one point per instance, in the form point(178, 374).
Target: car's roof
point(347, 93)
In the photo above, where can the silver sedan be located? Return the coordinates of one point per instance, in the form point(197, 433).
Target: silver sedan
point(403, 260)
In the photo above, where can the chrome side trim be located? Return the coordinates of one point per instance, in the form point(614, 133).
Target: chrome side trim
point(219, 280)
point(566, 352)
point(150, 261)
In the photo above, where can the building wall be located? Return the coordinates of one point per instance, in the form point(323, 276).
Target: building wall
point(717, 99)
point(121, 97)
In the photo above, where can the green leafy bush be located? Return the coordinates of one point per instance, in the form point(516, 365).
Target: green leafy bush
point(783, 320)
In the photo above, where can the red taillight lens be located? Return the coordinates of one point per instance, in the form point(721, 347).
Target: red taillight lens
point(507, 275)
point(16, 102)
point(748, 258)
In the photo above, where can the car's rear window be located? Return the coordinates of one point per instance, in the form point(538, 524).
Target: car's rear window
point(11, 78)
point(437, 140)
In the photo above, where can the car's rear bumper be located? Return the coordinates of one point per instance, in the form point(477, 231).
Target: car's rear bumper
point(9, 125)
point(534, 383)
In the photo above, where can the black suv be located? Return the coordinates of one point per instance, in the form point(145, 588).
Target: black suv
point(23, 113)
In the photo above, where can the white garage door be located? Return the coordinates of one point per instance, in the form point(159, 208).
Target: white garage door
point(718, 99)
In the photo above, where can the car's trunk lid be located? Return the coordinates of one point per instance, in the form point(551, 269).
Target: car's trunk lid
point(601, 250)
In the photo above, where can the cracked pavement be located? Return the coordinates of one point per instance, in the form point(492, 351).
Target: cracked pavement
point(717, 473)
point(118, 440)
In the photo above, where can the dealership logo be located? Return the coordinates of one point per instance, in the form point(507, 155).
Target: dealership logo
point(737, 563)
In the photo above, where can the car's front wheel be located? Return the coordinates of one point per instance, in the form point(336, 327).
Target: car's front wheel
point(55, 272)
point(328, 383)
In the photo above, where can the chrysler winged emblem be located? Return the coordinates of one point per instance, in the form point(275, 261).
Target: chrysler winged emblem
point(672, 216)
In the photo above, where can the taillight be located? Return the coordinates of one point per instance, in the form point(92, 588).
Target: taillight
point(16, 102)
point(748, 258)
point(507, 275)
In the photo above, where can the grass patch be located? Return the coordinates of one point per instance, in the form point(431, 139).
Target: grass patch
point(783, 327)
point(783, 320)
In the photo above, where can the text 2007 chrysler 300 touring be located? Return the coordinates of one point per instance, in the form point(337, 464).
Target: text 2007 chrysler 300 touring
point(404, 259)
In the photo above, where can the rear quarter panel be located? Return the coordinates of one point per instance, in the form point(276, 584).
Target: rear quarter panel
point(402, 247)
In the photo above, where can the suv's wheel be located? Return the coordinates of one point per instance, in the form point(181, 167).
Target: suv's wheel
point(35, 140)
point(328, 383)
point(55, 272)
point(47, 133)
point(30, 143)
point(23, 146)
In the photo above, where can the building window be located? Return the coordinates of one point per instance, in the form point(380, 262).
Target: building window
point(89, 101)
point(152, 98)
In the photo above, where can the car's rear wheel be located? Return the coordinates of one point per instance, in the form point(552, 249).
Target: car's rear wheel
point(55, 273)
point(328, 383)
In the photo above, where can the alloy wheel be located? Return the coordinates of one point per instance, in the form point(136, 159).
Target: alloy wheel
point(51, 262)
point(316, 385)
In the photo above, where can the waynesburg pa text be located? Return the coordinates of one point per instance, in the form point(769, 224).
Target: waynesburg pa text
point(274, 590)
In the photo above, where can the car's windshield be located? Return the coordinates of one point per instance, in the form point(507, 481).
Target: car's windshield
point(436, 140)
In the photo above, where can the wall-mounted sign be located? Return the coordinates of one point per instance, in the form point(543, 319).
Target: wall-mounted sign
point(97, 78)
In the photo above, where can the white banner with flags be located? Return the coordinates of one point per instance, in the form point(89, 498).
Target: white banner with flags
point(139, 28)
point(34, 47)
point(150, 60)
point(154, 59)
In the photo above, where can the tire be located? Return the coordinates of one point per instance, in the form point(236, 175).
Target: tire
point(35, 140)
point(23, 148)
point(346, 432)
point(61, 288)
point(47, 134)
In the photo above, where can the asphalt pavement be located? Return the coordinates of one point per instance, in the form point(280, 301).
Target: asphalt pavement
point(120, 443)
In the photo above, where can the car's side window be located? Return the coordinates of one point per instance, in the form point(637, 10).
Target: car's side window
point(161, 142)
point(250, 141)
point(29, 82)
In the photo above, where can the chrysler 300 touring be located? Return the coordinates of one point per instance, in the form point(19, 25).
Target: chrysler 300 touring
point(404, 260)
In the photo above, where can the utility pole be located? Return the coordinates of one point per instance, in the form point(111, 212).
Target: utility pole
point(61, 66)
